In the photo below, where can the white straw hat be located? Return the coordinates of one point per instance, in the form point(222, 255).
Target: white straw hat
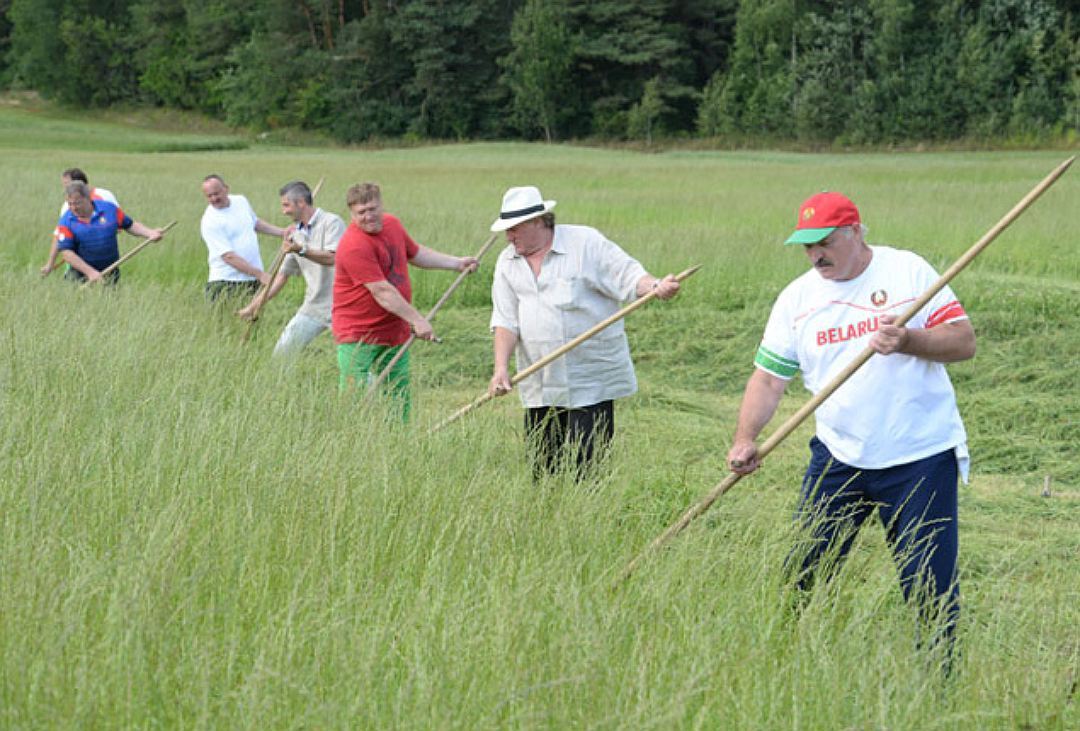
point(519, 205)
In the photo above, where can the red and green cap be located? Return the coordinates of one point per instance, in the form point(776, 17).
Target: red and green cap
point(820, 215)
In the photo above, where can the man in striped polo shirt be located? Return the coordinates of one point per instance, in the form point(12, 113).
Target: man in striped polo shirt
point(891, 437)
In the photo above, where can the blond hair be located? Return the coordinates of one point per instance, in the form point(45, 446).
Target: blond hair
point(363, 193)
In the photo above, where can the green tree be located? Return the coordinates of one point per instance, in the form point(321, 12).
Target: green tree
point(164, 53)
point(624, 43)
point(644, 116)
point(1071, 118)
point(538, 68)
point(183, 47)
point(712, 117)
point(756, 95)
point(453, 48)
point(368, 79)
point(5, 41)
point(35, 46)
point(97, 56)
point(830, 70)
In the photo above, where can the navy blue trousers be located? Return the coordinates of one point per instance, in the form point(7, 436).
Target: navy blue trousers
point(916, 503)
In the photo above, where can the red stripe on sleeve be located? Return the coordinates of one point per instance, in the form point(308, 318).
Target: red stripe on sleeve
point(948, 313)
point(64, 232)
point(122, 221)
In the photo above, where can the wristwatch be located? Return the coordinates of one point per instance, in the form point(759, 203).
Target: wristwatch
point(303, 250)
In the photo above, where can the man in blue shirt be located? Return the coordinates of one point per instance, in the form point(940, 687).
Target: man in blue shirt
point(86, 234)
point(68, 176)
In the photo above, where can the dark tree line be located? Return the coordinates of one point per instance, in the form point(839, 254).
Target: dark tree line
point(854, 71)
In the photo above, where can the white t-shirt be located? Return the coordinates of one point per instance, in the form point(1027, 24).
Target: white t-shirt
point(231, 229)
point(95, 194)
point(895, 409)
point(583, 280)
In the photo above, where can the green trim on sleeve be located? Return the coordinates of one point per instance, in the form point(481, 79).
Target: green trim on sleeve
point(777, 365)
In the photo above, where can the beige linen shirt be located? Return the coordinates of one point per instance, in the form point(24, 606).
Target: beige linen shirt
point(322, 232)
point(583, 280)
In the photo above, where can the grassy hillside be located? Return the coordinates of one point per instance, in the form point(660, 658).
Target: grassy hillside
point(195, 536)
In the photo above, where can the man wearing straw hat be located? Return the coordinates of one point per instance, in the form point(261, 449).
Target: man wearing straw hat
point(86, 234)
point(310, 246)
point(372, 311)
point(552, 283)
point(891, 437)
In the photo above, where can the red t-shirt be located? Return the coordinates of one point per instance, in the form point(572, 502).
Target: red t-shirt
point(363, 258)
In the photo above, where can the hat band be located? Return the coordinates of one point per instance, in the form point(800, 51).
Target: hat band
point(522, 212)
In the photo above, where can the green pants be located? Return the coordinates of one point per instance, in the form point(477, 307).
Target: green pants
point(361, 363)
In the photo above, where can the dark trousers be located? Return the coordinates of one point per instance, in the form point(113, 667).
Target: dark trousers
point(222, 289)
point(917, 504)
point(555, 436)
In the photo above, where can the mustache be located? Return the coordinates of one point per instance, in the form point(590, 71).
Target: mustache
point(822, 263)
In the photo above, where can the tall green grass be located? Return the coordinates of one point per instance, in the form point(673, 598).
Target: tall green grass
point(193, 535)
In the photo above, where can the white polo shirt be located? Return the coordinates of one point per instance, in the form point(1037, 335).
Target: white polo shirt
point(584, 279)
point(231, 229)
point(896, 408)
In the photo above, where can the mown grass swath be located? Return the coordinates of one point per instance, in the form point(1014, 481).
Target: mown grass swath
point(195, 535)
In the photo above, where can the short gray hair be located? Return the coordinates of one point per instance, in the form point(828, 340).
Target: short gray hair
point(296, 191)
point(77, 187)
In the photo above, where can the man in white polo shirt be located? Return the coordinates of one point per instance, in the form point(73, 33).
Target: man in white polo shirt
point(229, 225)
point(891, 437)
point(552, 284)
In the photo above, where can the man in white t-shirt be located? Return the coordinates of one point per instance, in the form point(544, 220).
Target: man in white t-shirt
point(890, 437)
point(229, 225)
point(98, 194)
point(551, 284)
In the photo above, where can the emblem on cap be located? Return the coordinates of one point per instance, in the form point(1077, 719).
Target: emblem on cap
point(808, 213)
point(879, 297)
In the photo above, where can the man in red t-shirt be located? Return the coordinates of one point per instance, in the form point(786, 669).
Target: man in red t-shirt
point(372, 313)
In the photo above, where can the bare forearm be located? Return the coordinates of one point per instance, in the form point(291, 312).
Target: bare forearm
point(78, 263)
point(645, 285)
point(665, 288)
point(430, 259)
point(505, 341)
point(390, 299)
point(53, 252)
point(762, 396)
point(240, 264)
point(263, 227)
point(139, 229)
point(320, 256)
point(276, 285)
point(948, 343)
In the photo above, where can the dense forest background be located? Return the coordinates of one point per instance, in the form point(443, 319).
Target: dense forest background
point(868, 72)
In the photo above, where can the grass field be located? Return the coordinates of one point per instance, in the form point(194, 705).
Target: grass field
point(193, 536)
